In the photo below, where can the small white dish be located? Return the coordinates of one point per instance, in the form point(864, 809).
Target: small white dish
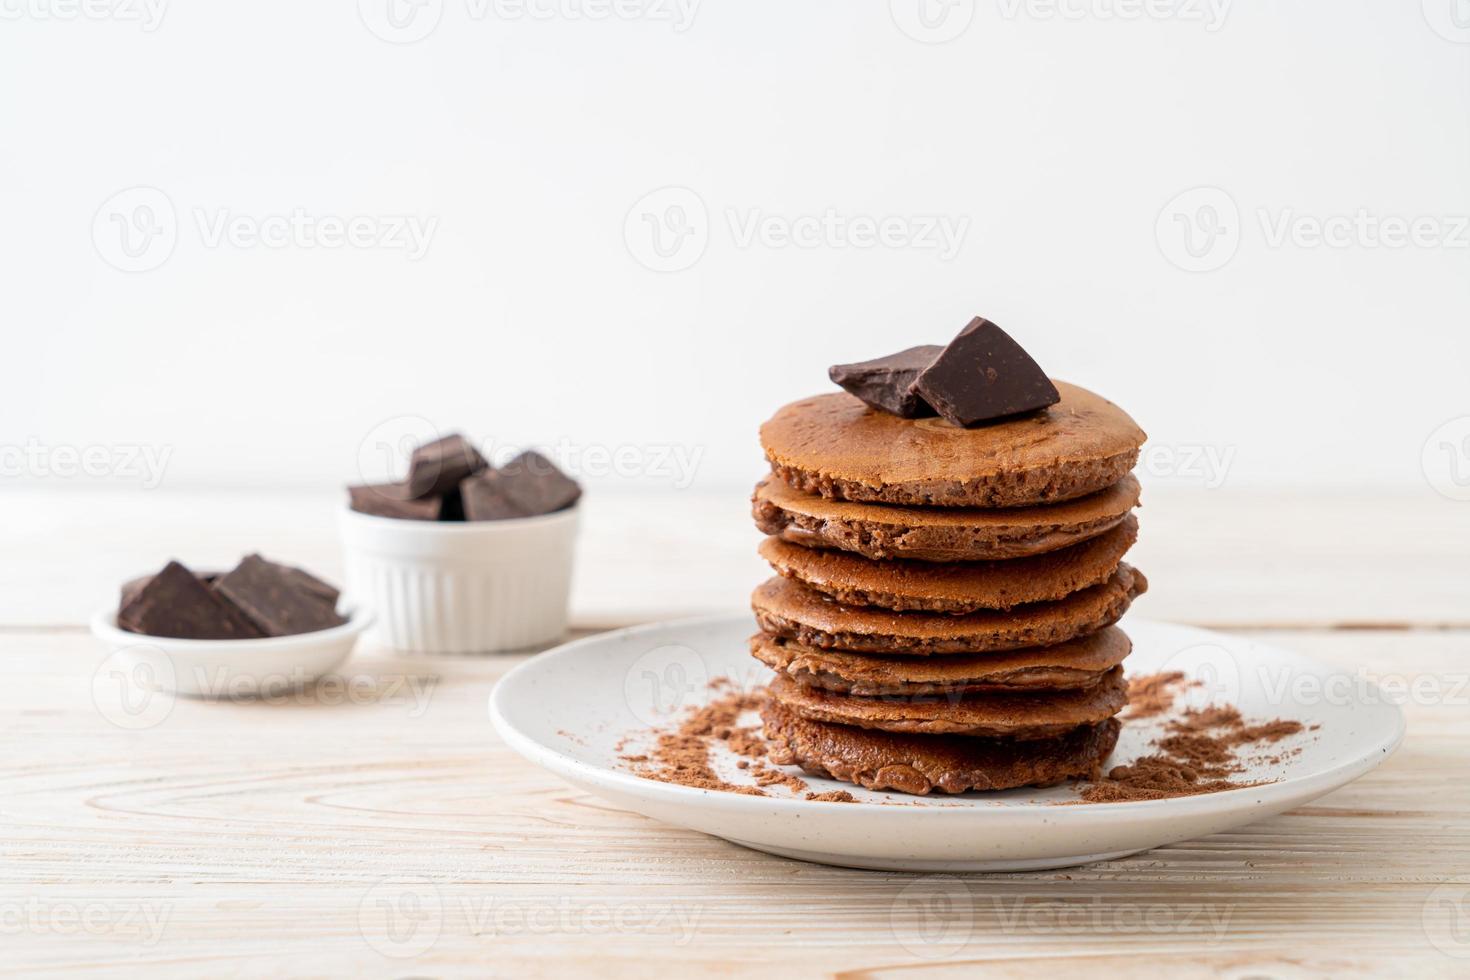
point(462, 587)
point(572, 709)
point(262, 667)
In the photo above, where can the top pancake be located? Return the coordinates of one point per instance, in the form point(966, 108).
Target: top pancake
point(937, 534)
point(836, 446)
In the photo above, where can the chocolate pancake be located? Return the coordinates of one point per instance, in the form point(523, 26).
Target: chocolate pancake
point(937, 533)
point(1076, 663)
point(919, 764)
point(956, 587)
point(1041, 714)
point(791, 610)
point(836, 446)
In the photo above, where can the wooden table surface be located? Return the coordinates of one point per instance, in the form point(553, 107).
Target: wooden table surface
point(377, 826)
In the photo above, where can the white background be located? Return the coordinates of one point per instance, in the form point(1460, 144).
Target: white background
point(1059, 139)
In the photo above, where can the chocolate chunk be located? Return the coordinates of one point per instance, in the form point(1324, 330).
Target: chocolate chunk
point(130, 590)
point(886, 383)
point(438, 467)
point(392, 500)
point(540, 484)
point(278, 599)
point(175, 603)
point(527, 486)
point(452, 506)
point(484, 498)
point(982, 375)
point(308, 583)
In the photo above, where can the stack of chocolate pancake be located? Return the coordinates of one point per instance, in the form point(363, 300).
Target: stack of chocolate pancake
point(942, 617)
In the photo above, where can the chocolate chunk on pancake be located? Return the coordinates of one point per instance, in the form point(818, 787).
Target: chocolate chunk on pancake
point(836, 446)
point(1041, 714)
point(791, 610)
point(1076, 663)
point(887, 382)
point(920, 764)
point(956, 587)
point(983, 375)
point(937, 533)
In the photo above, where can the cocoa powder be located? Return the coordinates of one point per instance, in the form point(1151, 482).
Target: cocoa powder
point(1197, 755)
point(682, 755)
point(1152, 694)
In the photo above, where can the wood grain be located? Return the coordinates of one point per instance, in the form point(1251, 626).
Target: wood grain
point(259, 839)
point(1226, 557)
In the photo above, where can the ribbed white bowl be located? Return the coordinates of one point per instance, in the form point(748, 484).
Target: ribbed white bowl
point(472, 587)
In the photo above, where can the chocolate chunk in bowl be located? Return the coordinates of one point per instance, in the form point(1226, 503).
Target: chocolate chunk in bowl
point(465, 572)
point(392, 500)
point(438, 467)
point(527, 486)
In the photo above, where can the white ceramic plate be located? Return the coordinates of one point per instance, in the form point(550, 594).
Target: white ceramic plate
point(577, 709)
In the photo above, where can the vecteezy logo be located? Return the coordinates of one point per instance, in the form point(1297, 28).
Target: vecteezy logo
point(384, 453)
point(133, 687)
point(1450, 19)
point(1212, 671)
point(135, 229)
point(1446, 920)
point(933, 917)
point(1199, 230)
point(400, 21)
point(932, 21)
point(401, 919)
point(1446, 459)
point(667, 230)
point(663, 682)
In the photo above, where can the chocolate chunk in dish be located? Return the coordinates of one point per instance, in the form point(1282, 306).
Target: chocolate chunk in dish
point(392, 500)
point(527, 486)
point(278, 599)
point(886, 383)
point(176, 603)
point(130, 590)
point(307, 582)
point(982, 375)
point(451, 506)
point(438, 467)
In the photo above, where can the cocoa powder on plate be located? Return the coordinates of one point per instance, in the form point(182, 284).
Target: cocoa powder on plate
point(1199, 753)
point(682, 755)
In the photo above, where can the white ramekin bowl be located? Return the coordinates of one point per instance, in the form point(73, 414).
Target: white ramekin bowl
point(462, 587)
